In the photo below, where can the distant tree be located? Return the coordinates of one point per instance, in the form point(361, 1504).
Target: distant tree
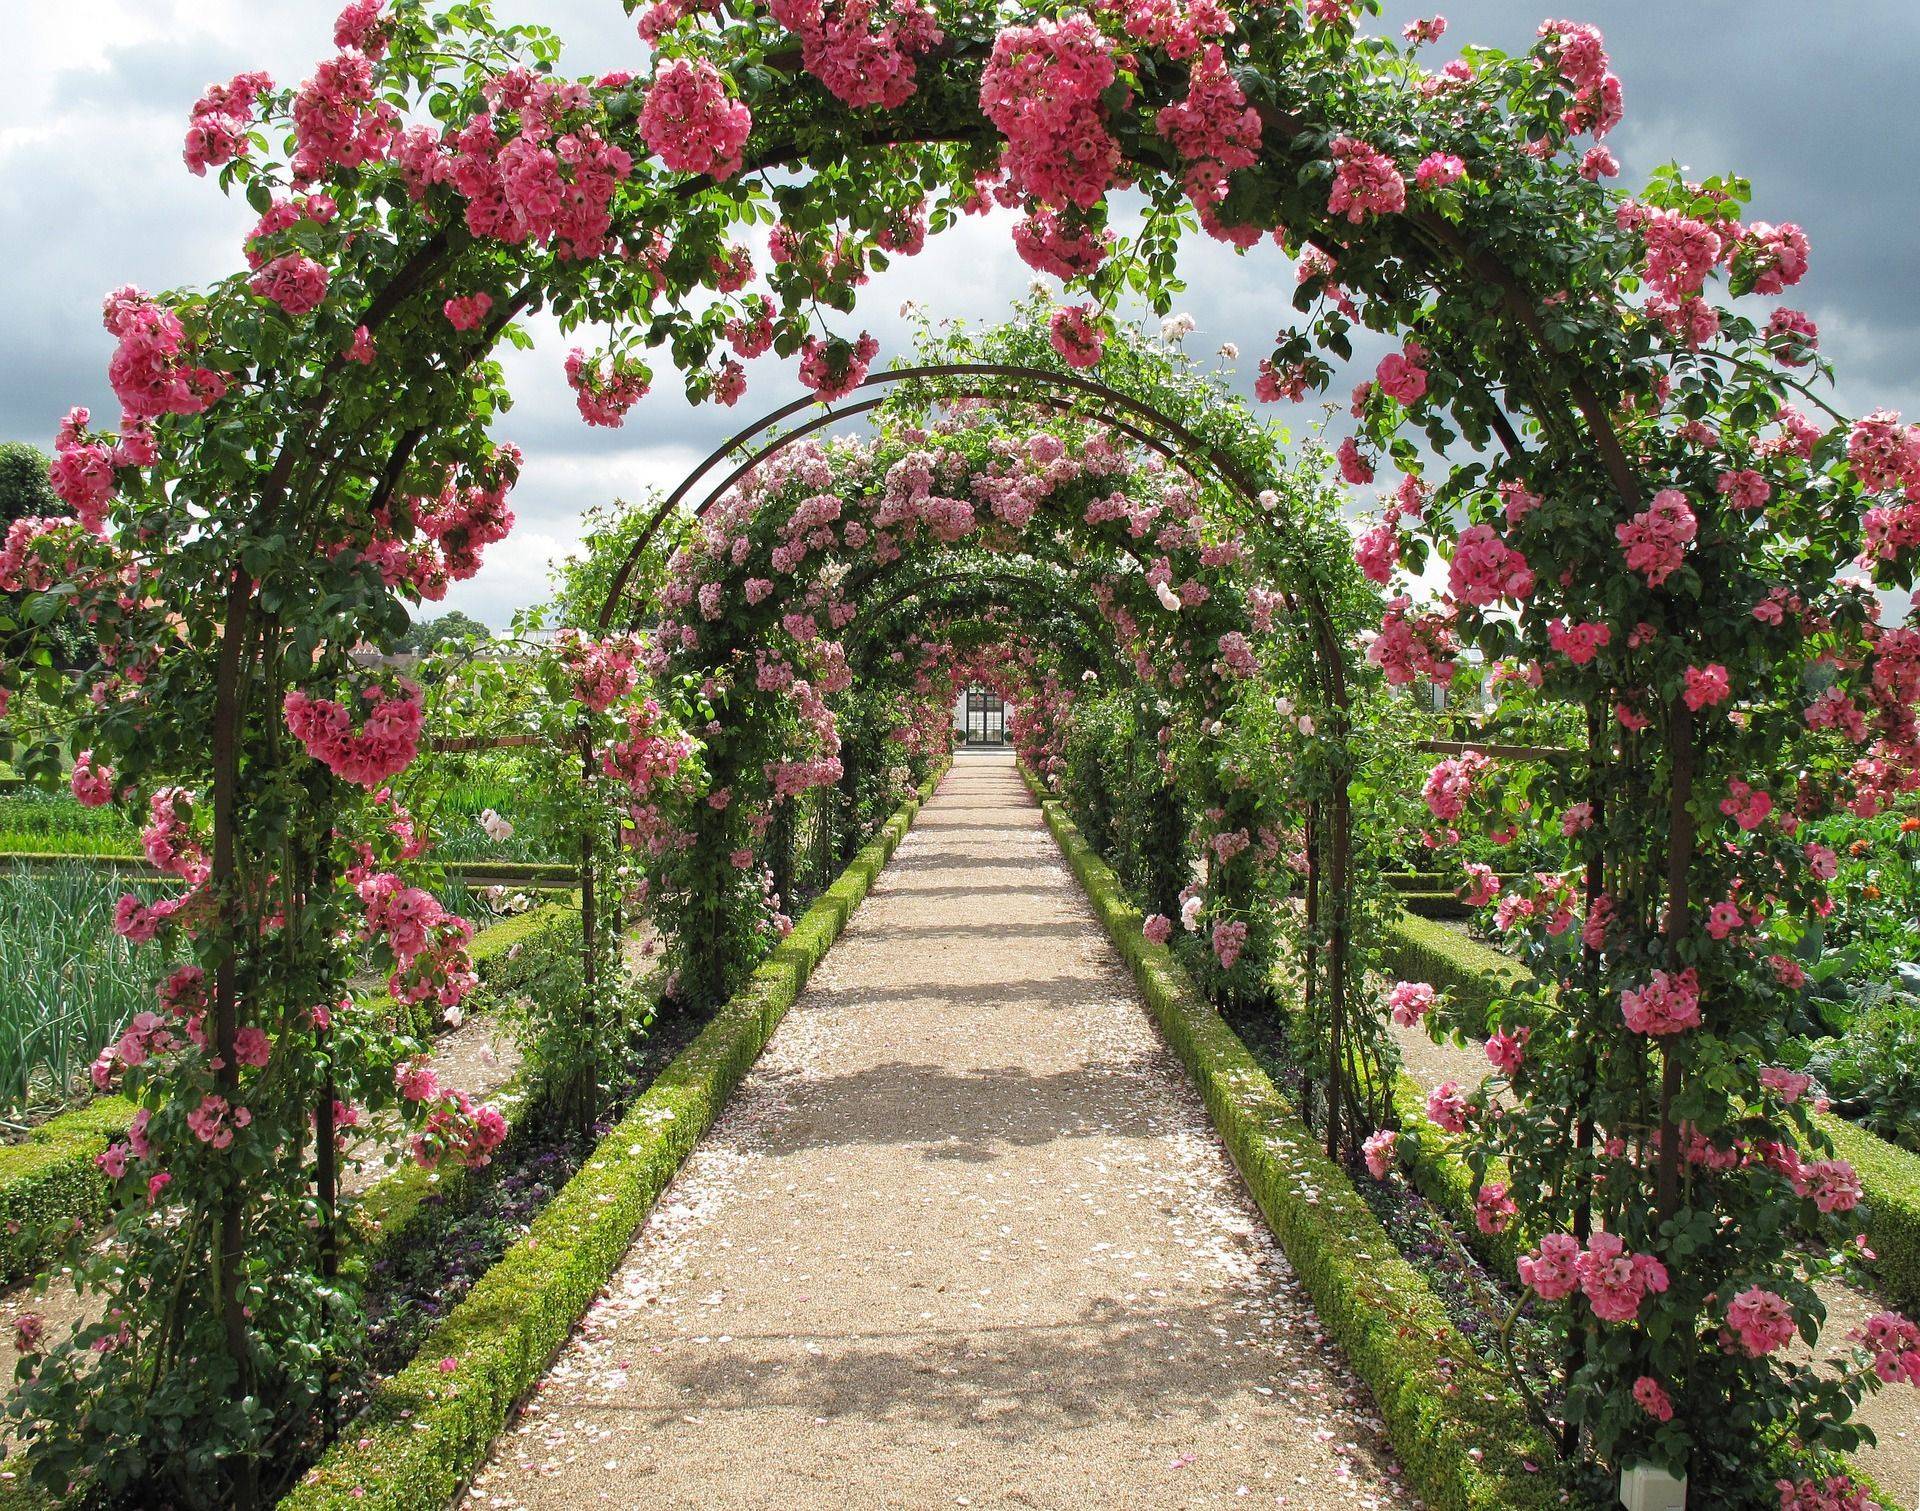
point(24, 489)
point(425, 636)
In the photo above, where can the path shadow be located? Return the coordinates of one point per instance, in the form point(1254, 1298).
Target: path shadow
point(1011, 1382)
point(1039, 993)
point(965, 1116)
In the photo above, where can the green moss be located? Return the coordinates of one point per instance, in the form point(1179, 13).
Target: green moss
point(428, 1428)
point(1394, 1329)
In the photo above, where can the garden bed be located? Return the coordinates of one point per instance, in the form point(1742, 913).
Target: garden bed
point(48, 1179)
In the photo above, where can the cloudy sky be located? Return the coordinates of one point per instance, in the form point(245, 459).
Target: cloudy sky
point(1812, 102)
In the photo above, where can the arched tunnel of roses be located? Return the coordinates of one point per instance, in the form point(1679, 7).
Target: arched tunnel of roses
point(1643, 534)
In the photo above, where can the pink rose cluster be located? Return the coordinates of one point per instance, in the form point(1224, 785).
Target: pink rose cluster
point(1669, 1003)
point(1837, 1492)
point(168, 840)
point(1894, 1342)
point(1409, 1002)
point(338, 119)
point(218, 127)
point(1447, 1107)
point(1229, 941)
point(1579, 643)
point(833, 368)
point(1157, 928)
point(83, 472)
point(530, 167)
point(1213, 129)
point(294, 281)
point(151, 368)
point(1651, 1397)
point(1076, 336)
point(606, 389)
point(1057, 242)
point(1411, 645)
point(1655, 540)
point(1450, 784)
point(651, 755)
point(862, 50)
point(603, 671)
point(1041, 89)
point(1485, 569)
point(691, 124)
point(1760, 1321)
point(384, 745)
point(456, 1128)
point(1614, 1281)
point(1366, 182)
point(91, 783)
point(1579, 52)
point(1402, 375)
point(1378, 1151)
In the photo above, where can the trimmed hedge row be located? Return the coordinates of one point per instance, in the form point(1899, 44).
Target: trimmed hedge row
point(1417, 949)
point(428, 1428)
point(48, 1181)
point(1466, 1447)
point(1889, 1215)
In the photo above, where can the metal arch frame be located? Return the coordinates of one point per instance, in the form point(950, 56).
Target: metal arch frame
point(1184, 447)
point(1324, 639)
point(1076, 610)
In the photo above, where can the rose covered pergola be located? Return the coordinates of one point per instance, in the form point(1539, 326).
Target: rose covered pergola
point(1644, 509)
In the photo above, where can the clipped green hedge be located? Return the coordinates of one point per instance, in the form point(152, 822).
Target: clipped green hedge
point(1417, 949)
point(427, 1429)
point(1378, 1308)
point(49, 1183)
point(1889, 1213)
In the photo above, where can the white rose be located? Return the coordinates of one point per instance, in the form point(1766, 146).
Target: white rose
point(1169, 600)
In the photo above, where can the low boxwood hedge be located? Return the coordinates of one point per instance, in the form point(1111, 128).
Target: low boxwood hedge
point(1467, 1447)
point(1417, 949)
point(49, 1183)
point(427, 1428)
point(1889, 1212)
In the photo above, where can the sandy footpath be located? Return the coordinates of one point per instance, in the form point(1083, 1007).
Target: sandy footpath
point(964, 1237)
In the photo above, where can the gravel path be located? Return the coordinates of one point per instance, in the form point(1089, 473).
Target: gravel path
point(964, 1237)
